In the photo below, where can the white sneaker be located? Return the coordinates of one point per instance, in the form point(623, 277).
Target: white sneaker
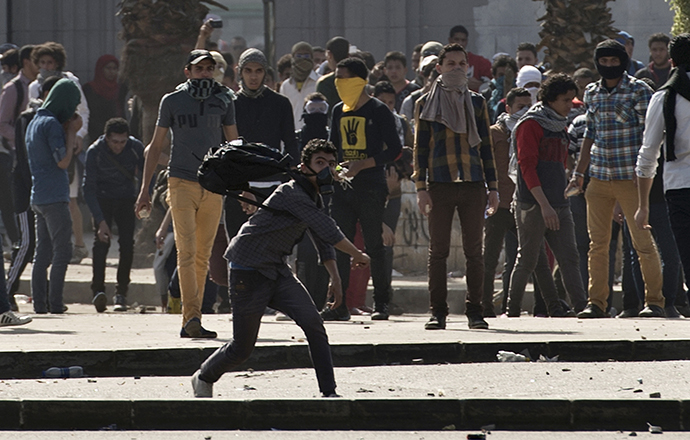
point(9, 318)
point(201, 388)
point(282, 317)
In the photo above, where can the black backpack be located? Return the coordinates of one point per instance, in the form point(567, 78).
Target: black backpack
point(229, 168)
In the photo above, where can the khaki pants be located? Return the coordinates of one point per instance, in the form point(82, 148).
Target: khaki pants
point(601, 198)
point(195, 213)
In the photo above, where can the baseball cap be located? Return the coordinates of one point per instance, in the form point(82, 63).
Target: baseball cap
point(198, 55)
point(431, 48)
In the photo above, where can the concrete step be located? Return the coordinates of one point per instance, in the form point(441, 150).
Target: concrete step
point(511, 396)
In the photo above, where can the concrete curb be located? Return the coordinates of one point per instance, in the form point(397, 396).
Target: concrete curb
point(184, 361)
point(346, 414)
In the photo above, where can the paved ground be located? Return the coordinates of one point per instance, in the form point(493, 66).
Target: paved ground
point(334, 435)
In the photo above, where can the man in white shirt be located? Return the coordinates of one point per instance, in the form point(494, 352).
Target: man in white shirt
point(668, 122)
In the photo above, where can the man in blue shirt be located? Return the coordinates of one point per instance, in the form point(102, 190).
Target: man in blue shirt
point(113, 168)
point(50, 143)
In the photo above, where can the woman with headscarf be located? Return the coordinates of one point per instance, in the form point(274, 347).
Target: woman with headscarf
point(105, 95)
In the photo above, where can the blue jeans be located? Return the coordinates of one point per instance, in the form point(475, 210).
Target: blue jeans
point(53, 247)
point(251, 293)
point(4, 300)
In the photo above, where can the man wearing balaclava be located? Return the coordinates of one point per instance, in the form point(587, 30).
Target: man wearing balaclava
point(529, 77)
point(262, 116)
point(454, 171)
point(616, 108)
point(360, 127)
point(302, 80)
point(51, 144)
point(199, 112)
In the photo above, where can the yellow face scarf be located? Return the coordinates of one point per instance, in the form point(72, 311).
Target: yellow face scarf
point(349, 90)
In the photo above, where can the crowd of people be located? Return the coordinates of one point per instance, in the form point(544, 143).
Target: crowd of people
point(551, 167)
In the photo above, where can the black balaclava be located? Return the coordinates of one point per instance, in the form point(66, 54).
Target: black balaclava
point(611, 48)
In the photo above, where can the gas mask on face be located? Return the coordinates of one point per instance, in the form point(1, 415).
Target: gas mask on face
point(324, 180)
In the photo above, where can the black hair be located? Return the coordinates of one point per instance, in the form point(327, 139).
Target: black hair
point(395, 56)
point(503, 61)
point(679, 50)
point(355, 66)
point(339, 48)
point(270, 73)
point(517, 92)
point(53, 49)
point(418, 48)
point(49, 83)
point(453, 47)
point(116, 125)
point(315, 146)
point(367, 57)
point(25, 53)
point(11, 58)
point(383, 87)
point(314, 96)
point(527, 46)
point(459, 29)
point(229, 59)
point(558, 84)
point(583, 72)
point(659, 37)
point(284, 62)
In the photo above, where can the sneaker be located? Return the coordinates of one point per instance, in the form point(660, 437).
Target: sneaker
point(652, 311)
point(201, 387)
point(558, 311)
point(99, 301)
point(120, 303)
point(331, 395)
point(356, 311)
point(282, 317)
point(339, 314)
point(477, 322)
point(174, 305)
point(193, 329)
point(435, 323)
point(380, 313)
point(591, 311)
point(628, 313)
point(673, 313)
point(9, 318)
point(684, 310)
point(78, 254)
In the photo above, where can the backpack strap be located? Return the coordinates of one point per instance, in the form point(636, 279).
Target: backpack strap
point(256, 193)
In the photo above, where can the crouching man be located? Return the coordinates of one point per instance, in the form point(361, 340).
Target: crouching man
point(260, 276)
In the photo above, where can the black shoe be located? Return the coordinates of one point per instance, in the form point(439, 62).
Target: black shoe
point(380, 313)
point(592, 311)
point(652, 311)
point(628, 313)
point(560, 312)
point(488, 311)
point(476, 322)
point(193, 329)
point(435, 323)
point(99, 301)
point(673, 313)
point(339, 314)
point(684, 310)
point(224, 307)
point(120, 303)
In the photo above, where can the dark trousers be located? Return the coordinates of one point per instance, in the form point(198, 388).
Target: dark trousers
point(366, 205)
point(532, 232)
point(251, 293)
point(578, 206)
point(495, 229)
point(120, 211)
point(678, 201)
point(24, 253)
point(6, 202)
point(4, 298)
point(469, 200)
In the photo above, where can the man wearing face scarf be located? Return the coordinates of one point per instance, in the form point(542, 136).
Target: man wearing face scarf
point(360, 127)
point(454, 168)
point(616, 108)
point(50, 144)
point(302, 79)
point(199, 112)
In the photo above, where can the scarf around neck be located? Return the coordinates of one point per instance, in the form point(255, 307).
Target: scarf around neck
point(452, 108)
point(203, 88)
point(677, 84)
point(253, 94)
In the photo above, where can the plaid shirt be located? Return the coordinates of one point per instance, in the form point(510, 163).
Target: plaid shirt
point(615, 121)
point(441, 155)
point(267, 238)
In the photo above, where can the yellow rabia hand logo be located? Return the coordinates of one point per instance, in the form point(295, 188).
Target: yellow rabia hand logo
point(351, 131)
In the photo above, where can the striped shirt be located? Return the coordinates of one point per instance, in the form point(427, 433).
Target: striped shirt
point(441, 155)
point(615, 121)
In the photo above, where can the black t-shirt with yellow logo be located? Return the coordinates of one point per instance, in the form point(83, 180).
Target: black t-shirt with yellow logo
point(362, 134)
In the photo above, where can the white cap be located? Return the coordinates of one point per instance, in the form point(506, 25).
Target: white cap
point(527, 75)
